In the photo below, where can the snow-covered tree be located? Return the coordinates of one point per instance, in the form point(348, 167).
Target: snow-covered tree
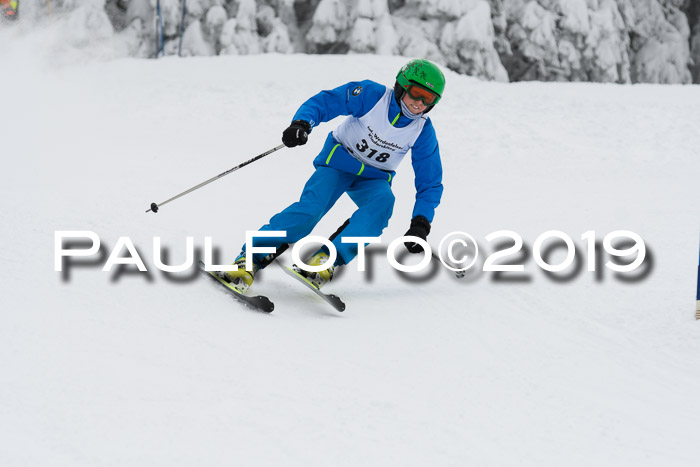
point(606, 57)
point(195, 41)
point(213, 25)
point(694, 21)
point(274, 33)
point(239, 35)
point(468, 41)
point(329, 27)
point(372, 30)
point(602, 40)
point(288, 12)
point(620, 41)
point(660, 43)
point(88, 23)
point(532, 35)
point(459, 35)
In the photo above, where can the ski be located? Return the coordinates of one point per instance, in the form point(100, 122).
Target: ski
point(332, 300)
point(258, 302)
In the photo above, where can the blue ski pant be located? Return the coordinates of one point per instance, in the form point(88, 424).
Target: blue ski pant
point(373, 197)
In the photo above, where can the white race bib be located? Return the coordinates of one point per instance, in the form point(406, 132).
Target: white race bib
point(373, 140)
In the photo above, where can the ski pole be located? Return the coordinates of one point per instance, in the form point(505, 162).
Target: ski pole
point(154, 206)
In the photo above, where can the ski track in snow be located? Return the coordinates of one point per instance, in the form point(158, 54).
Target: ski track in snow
point(144, 370)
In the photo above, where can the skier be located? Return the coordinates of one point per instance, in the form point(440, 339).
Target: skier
point(9, 9)
point(360, 158)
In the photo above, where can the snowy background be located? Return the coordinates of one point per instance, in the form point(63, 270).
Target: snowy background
point(619, 41)
point(135, 369)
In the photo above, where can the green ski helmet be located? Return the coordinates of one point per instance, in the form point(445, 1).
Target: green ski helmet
point(418, 76)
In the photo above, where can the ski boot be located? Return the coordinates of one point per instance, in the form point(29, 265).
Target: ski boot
point(241, 279)
point(320, 278)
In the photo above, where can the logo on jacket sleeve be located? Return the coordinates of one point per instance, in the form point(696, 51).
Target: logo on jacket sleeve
point(357, 91)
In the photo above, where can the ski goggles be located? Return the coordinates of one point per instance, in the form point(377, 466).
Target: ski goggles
point(418, 93)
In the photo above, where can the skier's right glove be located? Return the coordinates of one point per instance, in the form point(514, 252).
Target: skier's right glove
point(420, 227)
point(297, 133)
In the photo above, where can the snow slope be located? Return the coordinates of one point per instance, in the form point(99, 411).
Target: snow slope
point(150, 369)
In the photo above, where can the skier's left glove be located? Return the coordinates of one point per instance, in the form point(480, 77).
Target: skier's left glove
point(296, 134)
point(420, 227)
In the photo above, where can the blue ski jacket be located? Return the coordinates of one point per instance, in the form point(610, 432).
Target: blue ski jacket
point(356, 99)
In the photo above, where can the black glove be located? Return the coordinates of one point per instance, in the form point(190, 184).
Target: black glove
point(420, 227)
point(297, 133)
